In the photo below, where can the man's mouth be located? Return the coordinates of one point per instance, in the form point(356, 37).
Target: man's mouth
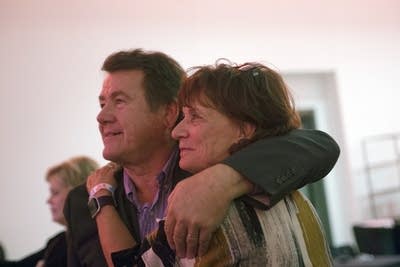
point(110, 134)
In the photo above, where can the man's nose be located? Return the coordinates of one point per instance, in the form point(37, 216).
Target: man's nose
point(105, 115)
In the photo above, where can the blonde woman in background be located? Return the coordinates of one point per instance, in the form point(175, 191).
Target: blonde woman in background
point(61, 179)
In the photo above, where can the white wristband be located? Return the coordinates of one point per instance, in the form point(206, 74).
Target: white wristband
point(99, 187)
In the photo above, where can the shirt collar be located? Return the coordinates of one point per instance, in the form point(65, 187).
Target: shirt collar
point(164, 178)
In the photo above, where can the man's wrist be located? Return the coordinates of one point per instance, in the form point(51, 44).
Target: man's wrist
point(95, 204)
point(101, 187)
point(233, 180)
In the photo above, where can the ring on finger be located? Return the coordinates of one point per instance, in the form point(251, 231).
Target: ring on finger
point(192, 236)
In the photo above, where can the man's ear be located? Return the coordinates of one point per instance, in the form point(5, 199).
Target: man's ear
point(171, 115)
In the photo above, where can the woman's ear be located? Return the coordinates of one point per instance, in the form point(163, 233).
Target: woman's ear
point(247, 130)
point(171, 115)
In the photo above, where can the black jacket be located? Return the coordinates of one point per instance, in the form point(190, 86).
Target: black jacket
point(54, 254)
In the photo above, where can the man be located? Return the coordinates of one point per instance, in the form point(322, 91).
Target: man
point(138, 112)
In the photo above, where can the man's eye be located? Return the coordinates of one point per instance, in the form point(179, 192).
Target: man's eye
point(119, 100)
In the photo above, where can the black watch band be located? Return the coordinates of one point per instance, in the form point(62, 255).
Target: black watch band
point(96, 203)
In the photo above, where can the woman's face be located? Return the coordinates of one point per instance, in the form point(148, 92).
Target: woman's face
point(205, 136)
point(58, 194)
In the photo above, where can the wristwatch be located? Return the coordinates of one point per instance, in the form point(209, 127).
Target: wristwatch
point(96, 203)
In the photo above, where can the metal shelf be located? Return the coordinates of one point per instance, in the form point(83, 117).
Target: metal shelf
point(379, 142)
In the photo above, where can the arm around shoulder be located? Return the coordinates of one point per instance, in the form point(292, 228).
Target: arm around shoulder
point(281, 164)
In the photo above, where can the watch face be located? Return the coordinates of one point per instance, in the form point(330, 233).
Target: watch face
point(93, 206)
point(96, 203)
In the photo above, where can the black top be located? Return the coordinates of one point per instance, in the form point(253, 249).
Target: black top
point(54, 254)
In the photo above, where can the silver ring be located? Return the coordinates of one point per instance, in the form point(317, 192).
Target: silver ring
point(192, 237)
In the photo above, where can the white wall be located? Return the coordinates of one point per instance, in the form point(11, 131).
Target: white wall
point(51, 52)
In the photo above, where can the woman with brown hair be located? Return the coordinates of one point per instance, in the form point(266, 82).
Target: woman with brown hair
point(225, 108)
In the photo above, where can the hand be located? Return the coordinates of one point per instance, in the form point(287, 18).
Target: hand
point(198, 205)
point(103, 175)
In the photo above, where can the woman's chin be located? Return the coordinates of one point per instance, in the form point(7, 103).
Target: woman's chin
point(192, 168)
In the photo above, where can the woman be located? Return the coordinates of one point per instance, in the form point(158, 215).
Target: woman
point(226, 107)
point(61, 179)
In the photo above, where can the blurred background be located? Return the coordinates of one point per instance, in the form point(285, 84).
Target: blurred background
point(340, 58)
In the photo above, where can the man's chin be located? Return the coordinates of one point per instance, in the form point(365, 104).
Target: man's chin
point(109, 155)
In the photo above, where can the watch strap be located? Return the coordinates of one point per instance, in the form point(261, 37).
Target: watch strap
point(96, 203)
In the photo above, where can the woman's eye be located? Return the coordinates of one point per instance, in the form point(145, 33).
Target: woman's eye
point(190, 115)
point(194, 116)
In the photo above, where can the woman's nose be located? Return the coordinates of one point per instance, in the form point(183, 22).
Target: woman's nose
point(179, 131)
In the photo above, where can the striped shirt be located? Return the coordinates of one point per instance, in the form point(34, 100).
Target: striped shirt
point(148, 214)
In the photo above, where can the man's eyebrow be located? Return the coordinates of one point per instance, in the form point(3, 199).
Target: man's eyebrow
point(114, 95)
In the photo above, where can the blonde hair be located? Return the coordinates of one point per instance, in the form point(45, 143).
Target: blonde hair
point(74, 171)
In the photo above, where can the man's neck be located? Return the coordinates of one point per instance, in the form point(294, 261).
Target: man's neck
point(144, 175)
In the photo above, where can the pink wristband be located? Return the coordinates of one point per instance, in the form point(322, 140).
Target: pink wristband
point(99, 187)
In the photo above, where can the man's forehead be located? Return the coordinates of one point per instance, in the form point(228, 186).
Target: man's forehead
point(122, 81)
point(106, 88)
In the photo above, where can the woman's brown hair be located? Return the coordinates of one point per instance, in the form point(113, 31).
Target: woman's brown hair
point(248, 93)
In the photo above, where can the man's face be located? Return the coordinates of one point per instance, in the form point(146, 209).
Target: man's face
point(130, 131)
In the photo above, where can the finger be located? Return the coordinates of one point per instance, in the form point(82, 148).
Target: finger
point(169, 231)
point(192, 243)
point(179, 236)
point(106, 172)
point(91, 180)
point(88, 185)
point(204, 242)
point(110, 166)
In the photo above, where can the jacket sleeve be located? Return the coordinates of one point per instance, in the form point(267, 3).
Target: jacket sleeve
point(281, 164)
point(83, 245)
